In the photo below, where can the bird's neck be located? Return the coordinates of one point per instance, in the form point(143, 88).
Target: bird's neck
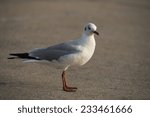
point(85, 36)
point(88, 40)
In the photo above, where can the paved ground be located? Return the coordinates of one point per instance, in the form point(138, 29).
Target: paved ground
point(119, 69)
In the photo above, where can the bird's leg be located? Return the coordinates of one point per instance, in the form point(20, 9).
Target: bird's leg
point(65, 87)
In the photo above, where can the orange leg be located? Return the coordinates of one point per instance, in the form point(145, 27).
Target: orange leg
point(65, 87)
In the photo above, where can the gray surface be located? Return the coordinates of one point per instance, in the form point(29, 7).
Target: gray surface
point(119, 69)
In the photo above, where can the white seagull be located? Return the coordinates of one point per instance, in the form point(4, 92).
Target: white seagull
point(71, 53)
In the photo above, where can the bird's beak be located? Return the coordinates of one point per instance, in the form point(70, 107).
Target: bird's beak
point(96, 32)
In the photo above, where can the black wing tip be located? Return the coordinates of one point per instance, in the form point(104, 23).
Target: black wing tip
point(22, 56)
point(11, 57)
point(18, 55)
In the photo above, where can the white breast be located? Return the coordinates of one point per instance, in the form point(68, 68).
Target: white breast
point(88, 51)
point(86, 47)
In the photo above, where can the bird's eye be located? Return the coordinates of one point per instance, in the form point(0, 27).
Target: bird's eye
point(89, 28)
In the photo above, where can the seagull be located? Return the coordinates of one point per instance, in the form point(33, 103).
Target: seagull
point(75, 52)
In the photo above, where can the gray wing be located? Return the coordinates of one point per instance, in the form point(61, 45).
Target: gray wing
point(53, 52)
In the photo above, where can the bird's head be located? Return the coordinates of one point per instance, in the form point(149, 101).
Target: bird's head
point(90, 29)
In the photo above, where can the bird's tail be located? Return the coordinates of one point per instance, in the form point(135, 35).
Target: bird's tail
point(21, 56)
